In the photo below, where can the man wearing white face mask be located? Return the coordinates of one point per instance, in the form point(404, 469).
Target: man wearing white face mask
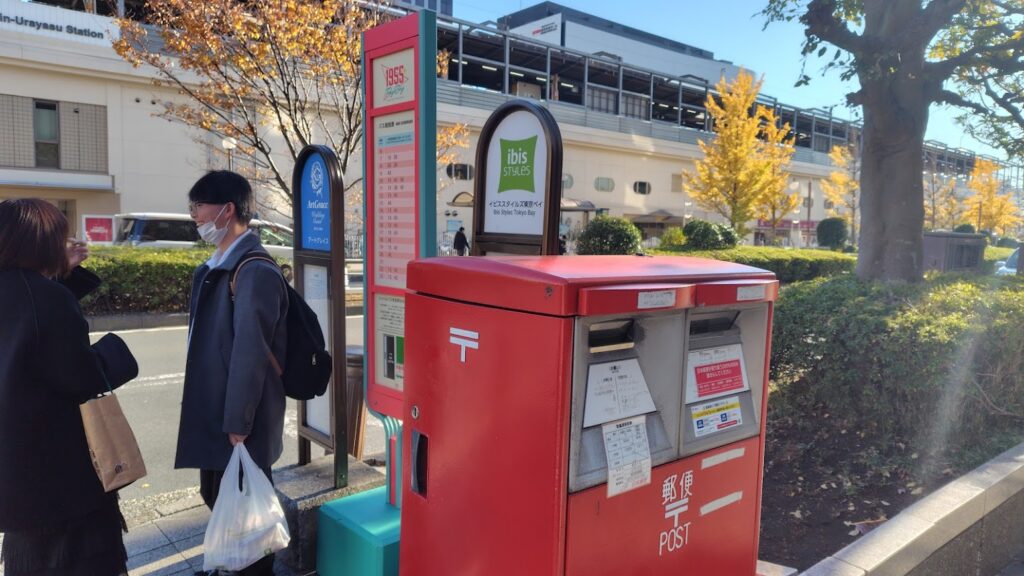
point(232, 391)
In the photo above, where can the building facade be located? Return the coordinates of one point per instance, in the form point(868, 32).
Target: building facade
point(82, 128)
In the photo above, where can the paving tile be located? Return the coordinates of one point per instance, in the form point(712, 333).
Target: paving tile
point(164, 561)
point(192, 550)
point(185, 524)
point(144, 538)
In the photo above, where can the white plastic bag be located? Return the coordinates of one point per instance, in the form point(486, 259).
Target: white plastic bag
point(246, 524)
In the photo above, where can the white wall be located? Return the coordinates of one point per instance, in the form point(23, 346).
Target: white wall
point(586, 39)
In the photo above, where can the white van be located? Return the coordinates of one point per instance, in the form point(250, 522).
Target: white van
point(168, 230)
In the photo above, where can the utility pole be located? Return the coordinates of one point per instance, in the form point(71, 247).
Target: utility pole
point(807, 239)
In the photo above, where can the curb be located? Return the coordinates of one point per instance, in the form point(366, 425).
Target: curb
point(117, 322)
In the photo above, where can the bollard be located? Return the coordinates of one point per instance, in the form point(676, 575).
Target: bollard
point(355, 419)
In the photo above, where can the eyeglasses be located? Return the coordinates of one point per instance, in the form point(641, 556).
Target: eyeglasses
point(194, 207)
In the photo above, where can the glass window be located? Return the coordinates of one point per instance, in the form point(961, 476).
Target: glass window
point(604, 184)
point(567, 181)
point(643, 188)
point(274, 236)
point(459, 171)
point(47, 134)
point(168, 230)
point(677, 182)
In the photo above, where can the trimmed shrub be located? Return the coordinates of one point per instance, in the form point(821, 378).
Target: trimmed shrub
point(932, 369)
point(139, 280)
point(964, 228)
point(672, 239)
point(832, 233)
point(142, 280)
point(609, 235)
point(1007, 242)
point(789, 265)
point(704, 235)
point(729, 236)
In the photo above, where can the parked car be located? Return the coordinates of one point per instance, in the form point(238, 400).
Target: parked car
point(166, 230)
point(1009, 267)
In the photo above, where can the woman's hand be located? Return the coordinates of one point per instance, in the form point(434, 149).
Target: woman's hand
point(77, 251)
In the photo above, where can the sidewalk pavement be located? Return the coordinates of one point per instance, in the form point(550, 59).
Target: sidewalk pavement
point(172, 545)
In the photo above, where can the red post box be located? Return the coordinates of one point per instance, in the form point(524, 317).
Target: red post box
point(584, 416)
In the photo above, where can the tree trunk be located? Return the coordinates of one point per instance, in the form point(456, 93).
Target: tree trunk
point(892, 192)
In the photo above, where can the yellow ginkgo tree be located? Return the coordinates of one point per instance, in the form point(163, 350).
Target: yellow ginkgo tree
point(776, 202)
point(990, 210)
point(739, 168)
point(943, 209)
point(842, 187)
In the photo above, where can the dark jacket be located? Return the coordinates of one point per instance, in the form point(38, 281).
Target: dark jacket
point(47, 368)
point(460, 242)
point(230, 385)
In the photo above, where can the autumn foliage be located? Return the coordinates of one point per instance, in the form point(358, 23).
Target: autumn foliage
point(274, 76)
point(741, 174)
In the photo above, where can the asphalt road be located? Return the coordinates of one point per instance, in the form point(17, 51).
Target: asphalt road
point(152, 404)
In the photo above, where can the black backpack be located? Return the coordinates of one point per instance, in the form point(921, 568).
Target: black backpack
point(307, 364)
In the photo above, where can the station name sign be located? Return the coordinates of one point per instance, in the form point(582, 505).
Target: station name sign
point(50, 26)
point(59, 23)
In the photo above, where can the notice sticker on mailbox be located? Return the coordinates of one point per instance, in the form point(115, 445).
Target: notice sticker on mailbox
point(716, 416)
point(616, 390)
point(714, 372)
point(628, 453)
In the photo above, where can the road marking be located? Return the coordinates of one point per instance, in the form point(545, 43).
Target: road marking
point(153, 381)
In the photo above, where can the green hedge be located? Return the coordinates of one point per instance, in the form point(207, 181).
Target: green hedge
point(788, 264)
point(141, 280)
point(929, 369)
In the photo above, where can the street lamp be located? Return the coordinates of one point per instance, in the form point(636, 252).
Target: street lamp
point(229, 144)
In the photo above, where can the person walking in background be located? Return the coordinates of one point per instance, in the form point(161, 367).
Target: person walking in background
point(55, 516)
point(233, 392)
point(461, 244)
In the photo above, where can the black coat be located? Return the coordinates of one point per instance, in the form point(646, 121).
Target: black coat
point(230, 384)
point(47, 368)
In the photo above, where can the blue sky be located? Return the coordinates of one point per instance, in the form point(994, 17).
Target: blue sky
point(732, 30)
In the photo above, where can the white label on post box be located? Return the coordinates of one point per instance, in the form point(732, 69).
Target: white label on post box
point(629, 455)
point(745, 293)
point(716, 416)
point(715, 372)
point(657, 299)
point(616, 390)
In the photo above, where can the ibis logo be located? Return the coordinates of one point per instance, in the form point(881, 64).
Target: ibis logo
point(517, 165)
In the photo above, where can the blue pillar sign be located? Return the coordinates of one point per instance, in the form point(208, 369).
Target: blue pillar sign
point(318, 214)
point(315, 200)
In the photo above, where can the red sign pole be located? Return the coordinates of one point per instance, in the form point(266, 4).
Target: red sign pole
point(399, 165)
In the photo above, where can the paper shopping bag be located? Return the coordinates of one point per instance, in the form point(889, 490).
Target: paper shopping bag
point(115, 453)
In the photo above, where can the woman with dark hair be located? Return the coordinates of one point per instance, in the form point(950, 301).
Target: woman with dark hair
point(55, 516)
